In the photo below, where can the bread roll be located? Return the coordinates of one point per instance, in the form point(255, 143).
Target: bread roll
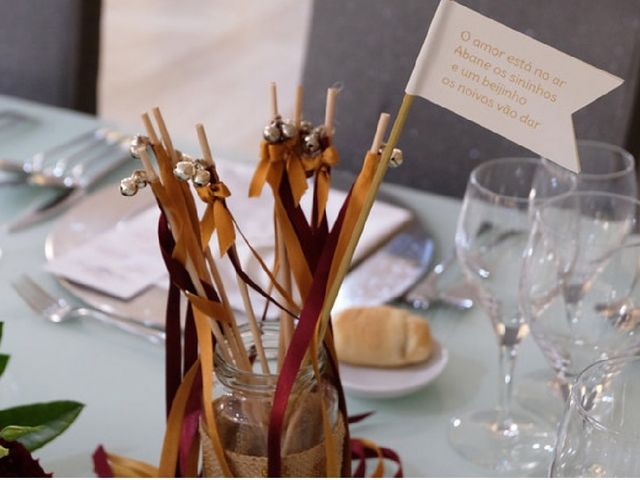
point(381, 337)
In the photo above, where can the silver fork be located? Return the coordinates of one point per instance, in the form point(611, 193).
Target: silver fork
point(458, 293)
point(58, 310)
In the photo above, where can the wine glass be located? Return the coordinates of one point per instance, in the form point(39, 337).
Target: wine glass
point(600, 433)
point(578, 284)
point(493, 229)
point(605, 168)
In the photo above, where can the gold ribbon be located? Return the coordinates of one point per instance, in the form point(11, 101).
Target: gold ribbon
point(356, 203)
point(274, 159)
point(124, 467)
point(216, 217)
point(322, 165)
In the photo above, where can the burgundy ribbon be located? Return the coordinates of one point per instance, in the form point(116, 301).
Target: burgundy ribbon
point(362, 452)
point(173, 348)
point(302, 337)
point(100, 463)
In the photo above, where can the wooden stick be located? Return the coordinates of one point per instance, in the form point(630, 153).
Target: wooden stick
point(166, 138)
point(234, 353)
point(232, 331)
point(330, 110)
point(383, 121)
point(274, 99)
point(152, 176)
point(343, 266)
point(151, 132)
point(286, 322)
point(146, 162)
point(204, 145)
point(297, 112)
point(253, 325)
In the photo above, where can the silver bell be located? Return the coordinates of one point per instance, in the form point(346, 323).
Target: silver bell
point(272, 133)
point(184, 170)
point(202, 178)
point(312, 144)
point(396, 158)
point(138, 142)
point(306, 127)
point(288, 129)
point(128, 187)
point(140, 177)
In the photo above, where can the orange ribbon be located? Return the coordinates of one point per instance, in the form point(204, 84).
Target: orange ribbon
point(322, 164)
point(274, 159)
point(216, 217)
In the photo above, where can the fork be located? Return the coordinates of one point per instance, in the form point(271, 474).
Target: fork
point(427, 292)
point(97, 154)
point(58, 310)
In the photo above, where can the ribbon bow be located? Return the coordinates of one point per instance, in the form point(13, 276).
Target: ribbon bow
point(322, 164)
point(274, 158)
point(216, 217)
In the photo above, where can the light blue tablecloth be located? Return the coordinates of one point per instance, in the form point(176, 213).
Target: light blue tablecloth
point(120, 377)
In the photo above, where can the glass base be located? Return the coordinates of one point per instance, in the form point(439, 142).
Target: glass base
point(524, 448)
point(543, 394)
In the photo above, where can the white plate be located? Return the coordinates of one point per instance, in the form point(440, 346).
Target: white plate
point(369, 382)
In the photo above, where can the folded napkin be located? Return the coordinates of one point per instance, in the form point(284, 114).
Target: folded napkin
point(125, 260)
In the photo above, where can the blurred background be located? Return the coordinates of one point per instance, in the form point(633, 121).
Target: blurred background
point(212, 61)
point(202, 61)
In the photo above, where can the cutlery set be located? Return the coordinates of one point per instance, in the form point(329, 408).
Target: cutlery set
point(71, 168)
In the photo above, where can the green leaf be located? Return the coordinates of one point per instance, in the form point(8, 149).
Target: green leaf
point(53, 418)
point(3, 451)
point(1, 325)
point(4, 359)
point(13, 432)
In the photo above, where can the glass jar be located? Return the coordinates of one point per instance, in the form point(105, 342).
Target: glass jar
point(243, 401)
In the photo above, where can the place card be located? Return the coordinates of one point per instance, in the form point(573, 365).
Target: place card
point(122, 262)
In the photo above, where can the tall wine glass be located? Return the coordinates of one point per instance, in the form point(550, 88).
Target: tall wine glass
point(600, 433)
point(605, 168)
point(493, 229)
point(579, 283)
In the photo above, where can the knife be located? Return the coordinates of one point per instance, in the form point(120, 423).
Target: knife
point(389, 272)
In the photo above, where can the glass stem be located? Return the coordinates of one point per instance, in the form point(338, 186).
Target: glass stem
point(508, 354)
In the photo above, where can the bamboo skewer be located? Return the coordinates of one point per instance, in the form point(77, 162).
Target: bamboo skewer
point(274, 100)
point(217, 333)
point(242, 286)
point(330, 111)
point(233, 346)
point(297, 110)
point(383, 165)
point(284, 277)
point(383, 121)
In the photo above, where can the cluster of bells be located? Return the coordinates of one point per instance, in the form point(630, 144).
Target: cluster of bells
point(187, 169)
point(280, 130)
point(129, 186)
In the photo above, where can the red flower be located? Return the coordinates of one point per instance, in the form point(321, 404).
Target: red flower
point(19, 462)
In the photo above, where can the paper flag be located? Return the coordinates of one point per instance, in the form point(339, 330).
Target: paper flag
point(505, 81)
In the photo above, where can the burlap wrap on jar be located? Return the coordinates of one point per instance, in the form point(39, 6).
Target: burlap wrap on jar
point(308, 463)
